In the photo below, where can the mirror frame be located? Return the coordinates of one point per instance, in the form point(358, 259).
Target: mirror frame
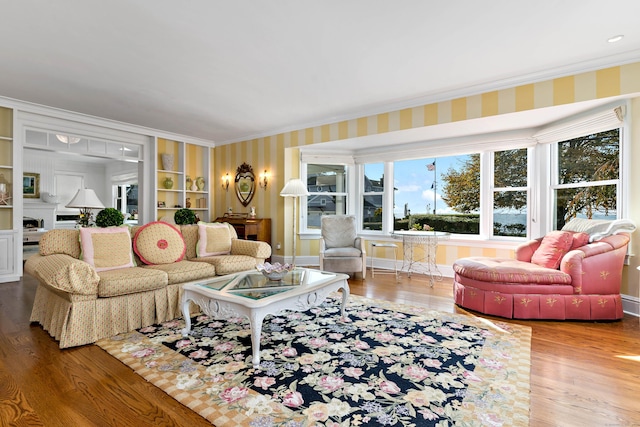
point(245, 183)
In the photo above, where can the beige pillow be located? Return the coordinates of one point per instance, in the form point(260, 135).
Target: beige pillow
point(159, 243)
point(213, 239)
point(106, 248)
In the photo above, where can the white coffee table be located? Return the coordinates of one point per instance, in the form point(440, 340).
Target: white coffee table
point(250, 294)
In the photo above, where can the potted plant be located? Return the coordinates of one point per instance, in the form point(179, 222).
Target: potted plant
point(109, 217)
point(185, 216)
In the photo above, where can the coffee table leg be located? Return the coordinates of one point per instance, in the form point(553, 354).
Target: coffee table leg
point(187, 317)
point(345, 298)
point(255, 322)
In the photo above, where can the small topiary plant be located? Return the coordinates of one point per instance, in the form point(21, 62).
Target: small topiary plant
point(185, 216)
point(109, 217)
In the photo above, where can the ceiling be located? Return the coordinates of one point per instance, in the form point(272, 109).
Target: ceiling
point(226, 71)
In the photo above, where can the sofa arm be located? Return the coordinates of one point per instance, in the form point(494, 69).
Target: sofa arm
point(252, 248)
point(66, 274)
point(596, 268)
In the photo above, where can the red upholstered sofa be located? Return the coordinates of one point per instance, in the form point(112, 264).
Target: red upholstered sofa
point(568, 274)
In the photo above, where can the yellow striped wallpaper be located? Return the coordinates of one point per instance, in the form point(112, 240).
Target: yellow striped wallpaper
point(270, 152)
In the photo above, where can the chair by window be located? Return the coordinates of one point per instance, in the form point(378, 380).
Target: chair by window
point(341, 250)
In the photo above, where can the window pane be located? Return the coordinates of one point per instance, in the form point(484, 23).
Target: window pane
point(443, 193)
point(509, 221)
point(323, 204)
point(372, 212)
point(592, 202)
point(589, 158)
point(592, 161)
point(510, 168)
point(374, 177)
point(331, 178)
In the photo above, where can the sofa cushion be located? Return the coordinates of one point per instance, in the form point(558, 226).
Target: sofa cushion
point(159, 243)
point(106, 248)
point(213, 239)
point(508, 270)
point(579, 240)
point(124, 281)
point(553, 247)
point(228, 264)
point(60, 241)
point(185, 271)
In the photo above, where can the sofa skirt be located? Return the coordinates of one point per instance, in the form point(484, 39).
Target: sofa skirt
point(79, 322)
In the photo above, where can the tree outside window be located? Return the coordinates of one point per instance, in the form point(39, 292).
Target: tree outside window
point(588, 174)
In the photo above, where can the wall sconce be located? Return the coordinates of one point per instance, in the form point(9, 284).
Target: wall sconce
point(226, 179)
point(264, 179)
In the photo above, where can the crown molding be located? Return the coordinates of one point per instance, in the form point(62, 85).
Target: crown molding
point(456, 92)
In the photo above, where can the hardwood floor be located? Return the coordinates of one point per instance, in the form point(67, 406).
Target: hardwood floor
point(582, 374)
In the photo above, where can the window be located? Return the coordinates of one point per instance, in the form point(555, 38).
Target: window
point(442, 193)
point(327, 186)
point(507, 187)
point(587, 177)
point(510, 193)
point(126, 200)
point(372, 196)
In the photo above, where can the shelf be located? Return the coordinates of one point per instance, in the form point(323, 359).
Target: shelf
point(170, 190)
point(173, 172)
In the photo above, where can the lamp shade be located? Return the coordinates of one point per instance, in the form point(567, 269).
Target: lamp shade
point(294, 188)
point(85, 198)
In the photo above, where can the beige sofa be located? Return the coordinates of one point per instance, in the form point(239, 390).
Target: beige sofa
point(81, 298)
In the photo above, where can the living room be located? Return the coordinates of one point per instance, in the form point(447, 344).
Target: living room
point(433, 122)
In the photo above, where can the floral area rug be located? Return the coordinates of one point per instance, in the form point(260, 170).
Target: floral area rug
point(386, 365)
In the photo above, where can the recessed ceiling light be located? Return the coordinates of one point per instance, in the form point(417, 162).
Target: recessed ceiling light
point(615, 38)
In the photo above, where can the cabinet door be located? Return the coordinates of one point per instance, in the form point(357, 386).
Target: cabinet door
point(6, 246)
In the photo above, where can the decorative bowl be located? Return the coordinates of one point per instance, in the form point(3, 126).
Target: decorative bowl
point(274, 272)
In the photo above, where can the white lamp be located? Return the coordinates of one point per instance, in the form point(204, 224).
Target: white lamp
point(85, 200)
point(294, 188)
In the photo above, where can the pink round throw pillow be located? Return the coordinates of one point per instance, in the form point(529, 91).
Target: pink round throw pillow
point(159, 243)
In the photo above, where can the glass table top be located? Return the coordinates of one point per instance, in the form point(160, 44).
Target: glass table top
point(254, 285)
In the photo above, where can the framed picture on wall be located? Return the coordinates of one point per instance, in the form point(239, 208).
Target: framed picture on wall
point(31, 185)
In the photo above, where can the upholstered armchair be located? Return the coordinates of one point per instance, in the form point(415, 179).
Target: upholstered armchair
point(573, 273)
point(341, 250)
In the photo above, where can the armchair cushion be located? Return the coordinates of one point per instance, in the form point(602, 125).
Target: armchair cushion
point(338, 231)
point(106, 248)
point(552, 248)
point(159, 243)
point(343, 252)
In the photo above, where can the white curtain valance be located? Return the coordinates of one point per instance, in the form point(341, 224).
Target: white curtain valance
point(600, 121)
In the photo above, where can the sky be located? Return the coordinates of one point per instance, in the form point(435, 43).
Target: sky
point(413, 182)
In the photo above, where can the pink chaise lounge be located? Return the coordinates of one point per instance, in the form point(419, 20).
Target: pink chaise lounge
point(574, 273)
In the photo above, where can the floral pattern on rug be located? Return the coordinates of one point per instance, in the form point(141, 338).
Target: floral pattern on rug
point(377, 368)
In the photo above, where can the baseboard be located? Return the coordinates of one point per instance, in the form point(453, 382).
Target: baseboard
point(631, 305)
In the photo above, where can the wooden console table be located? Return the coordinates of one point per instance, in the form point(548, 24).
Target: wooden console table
point(250, 228)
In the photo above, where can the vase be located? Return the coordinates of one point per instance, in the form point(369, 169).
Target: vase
point(200, 183)
point(168, 183)
point(167, 162)
point(194, 187)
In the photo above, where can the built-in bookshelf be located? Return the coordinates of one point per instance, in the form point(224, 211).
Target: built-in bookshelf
point(182, 178)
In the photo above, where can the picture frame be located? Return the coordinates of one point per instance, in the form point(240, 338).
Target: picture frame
point(31, 185)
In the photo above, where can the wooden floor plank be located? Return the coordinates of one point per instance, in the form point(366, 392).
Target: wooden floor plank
point(578, 377)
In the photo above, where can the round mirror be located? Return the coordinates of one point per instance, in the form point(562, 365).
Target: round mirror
point(245, 183)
